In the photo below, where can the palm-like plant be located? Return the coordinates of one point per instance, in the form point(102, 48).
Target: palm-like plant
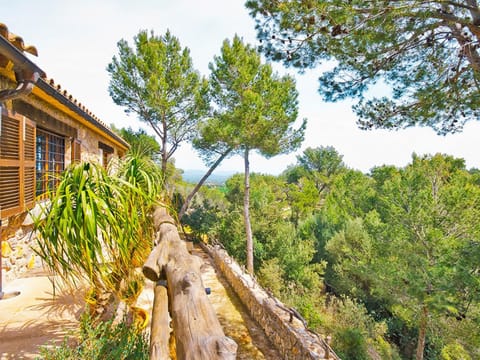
point(97, 227)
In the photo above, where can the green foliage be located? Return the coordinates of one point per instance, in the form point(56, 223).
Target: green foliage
point(402, 254)
point(97, 226)
point(355, 333)
point(271, 276)
point(396, 242)
point(320, 227)
point(454, 352)
point(351, 251)
point(100, 341)
point(273, 234)
point(424, 53)
point(460, 330)
point(350, 344)
point(254, 110)
point(303, 197)
point(207, 209)
point(351, 195)
point(321, 164)
point(255, 107)
point(308, 302)
point(140, 142)
point(155, 80)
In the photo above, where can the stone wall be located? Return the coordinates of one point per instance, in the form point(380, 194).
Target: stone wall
point(287, 332)
point(18, 240)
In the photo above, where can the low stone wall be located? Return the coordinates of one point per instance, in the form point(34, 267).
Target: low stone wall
point(17, 240)
point(287, 333)
point(18, 258)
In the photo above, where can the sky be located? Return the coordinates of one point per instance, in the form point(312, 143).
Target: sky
point(77, 39)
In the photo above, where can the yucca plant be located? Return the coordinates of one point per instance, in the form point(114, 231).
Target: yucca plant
point(97, 227)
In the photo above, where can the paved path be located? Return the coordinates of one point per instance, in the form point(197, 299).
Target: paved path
point(36, 317)
point(233, 316)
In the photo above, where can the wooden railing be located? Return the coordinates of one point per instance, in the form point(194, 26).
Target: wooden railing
point(179, 293)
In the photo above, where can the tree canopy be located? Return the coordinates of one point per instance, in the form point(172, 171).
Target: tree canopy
point(140, 142)
point(416, 249)
point(155, 80)
point(255, 107)
point(425, 52)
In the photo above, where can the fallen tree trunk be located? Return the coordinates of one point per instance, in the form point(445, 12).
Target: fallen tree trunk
point(198, 333)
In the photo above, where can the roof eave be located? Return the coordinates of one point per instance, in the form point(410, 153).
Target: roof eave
point(20, 61)
point(52, 92)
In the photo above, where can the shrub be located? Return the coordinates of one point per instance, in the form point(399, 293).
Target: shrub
point(271, 276)
point(97, 227)
point(350, 344)
point(100, 341)
point(454, 352)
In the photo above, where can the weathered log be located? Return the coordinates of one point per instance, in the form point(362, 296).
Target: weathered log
point(198, 333)
point(151, 269)
point(160, 333)
point(160, 216)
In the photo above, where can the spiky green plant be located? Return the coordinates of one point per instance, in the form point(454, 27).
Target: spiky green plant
point(97, 226)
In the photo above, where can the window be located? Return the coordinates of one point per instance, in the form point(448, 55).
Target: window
point(50, 160)
point(17, 163)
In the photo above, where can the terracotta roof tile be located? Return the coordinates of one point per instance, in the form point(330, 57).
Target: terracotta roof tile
point(17, 41)
point(74, 101)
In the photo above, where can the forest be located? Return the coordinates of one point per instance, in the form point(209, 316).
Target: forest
point(381, 261)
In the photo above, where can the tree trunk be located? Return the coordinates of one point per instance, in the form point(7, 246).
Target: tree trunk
point(200, 183)
point(164, 150)
point(197, 331)
point(422, 333)
point(246, 215)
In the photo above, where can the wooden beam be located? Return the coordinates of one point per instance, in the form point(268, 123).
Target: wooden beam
point(198, 333)
point(160, 330)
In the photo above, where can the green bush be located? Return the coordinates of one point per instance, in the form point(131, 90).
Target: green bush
point(271, 276)
point(454, 352)
point(346, 317)
point(97, 227)
point(350, 344)
point(100, 341)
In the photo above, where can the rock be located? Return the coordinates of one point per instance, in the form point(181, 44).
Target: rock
point(19, 252)
point(36, 213)
point(6, 249)
point(19, 234)
point(31, 262)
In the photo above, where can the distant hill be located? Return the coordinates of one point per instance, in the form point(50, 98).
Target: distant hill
point(217, 178)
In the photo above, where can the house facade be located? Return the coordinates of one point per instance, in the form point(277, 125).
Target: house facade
point(43, 129)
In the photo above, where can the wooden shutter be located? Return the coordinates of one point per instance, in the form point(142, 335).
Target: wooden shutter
point(76, 151)
point(29, 163)
point(17, 163)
